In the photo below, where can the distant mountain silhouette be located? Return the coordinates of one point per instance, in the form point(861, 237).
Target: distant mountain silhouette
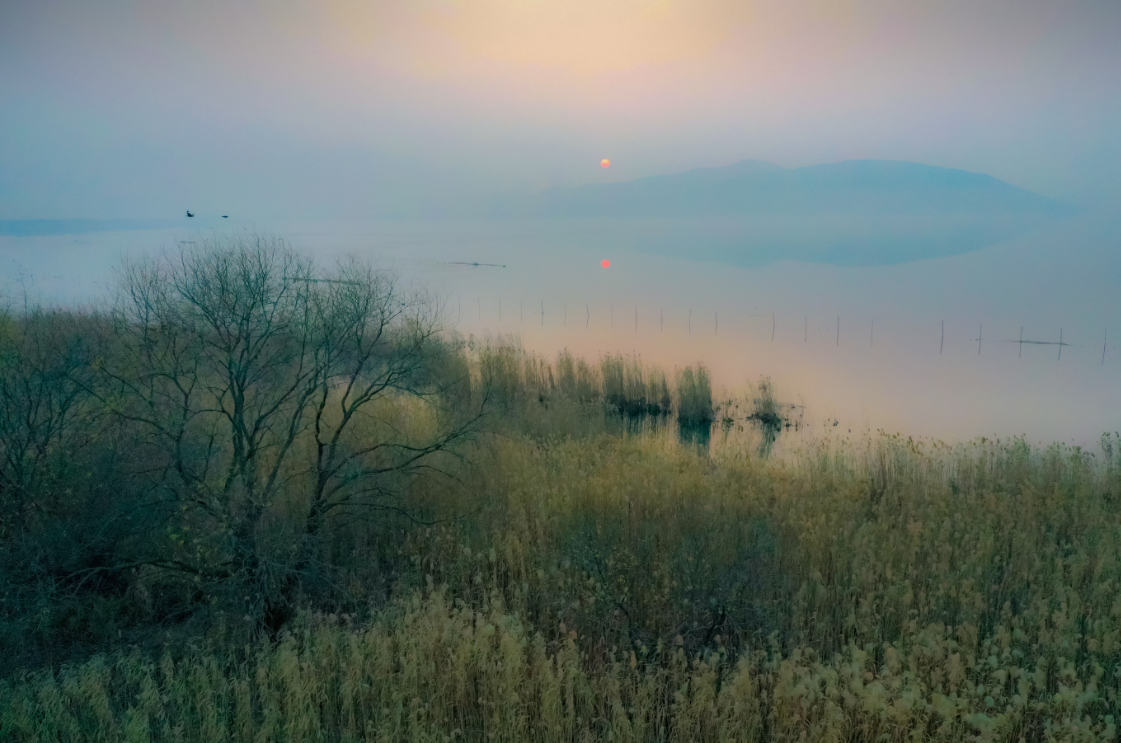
point(852, 213)
point(755, 187)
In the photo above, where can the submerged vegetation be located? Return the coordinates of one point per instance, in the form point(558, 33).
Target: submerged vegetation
point(504, 548)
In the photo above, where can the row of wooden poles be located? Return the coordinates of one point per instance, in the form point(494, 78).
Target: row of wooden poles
point(806, 327)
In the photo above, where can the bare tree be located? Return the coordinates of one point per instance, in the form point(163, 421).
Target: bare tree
point(273, 396)
point(64, 511)
point(41, 408)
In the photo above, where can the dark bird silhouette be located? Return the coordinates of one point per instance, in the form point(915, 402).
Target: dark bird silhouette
point(189, 213)
point(225, 216)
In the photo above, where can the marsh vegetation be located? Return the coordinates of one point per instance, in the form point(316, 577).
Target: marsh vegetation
point(255, 500)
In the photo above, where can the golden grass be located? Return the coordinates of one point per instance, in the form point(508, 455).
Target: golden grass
point(627, 589)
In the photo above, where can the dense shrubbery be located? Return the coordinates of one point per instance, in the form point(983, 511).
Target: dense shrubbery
point(214, 440)
point(562, 582)
point(241, 433)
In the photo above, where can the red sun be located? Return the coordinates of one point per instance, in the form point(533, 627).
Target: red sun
point(605, 163)
point(605, 263)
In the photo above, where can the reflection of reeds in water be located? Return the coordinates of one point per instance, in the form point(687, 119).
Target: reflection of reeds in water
point(759, 415)
point(632, 391)
point(632, 397)
point(623, 385)
point(694, 406)
point(766, 416)
point(694, 395)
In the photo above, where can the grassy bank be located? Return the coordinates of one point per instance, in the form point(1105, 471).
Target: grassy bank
point(625, 588)
point(257, 501)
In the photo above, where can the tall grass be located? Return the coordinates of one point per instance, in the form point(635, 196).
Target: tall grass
point(694, 393)
point(629, 590)
point(570, 397)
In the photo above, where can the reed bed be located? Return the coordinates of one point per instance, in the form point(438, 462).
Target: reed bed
point(627, 589)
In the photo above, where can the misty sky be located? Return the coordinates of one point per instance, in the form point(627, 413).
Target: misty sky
point(312, 119)
point(341, 108)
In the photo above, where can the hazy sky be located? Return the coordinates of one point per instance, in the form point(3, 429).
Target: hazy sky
point(366, 108)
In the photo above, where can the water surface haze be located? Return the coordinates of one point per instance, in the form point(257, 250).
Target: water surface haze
point(871, 203)
point(922, 347)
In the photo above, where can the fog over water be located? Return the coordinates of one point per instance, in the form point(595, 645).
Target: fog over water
point(891, 366)
point(775, 167)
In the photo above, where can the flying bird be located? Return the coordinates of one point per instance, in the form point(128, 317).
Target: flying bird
point(225, 216)
point(189, 213)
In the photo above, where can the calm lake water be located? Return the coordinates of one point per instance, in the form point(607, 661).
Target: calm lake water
point(906, 357)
